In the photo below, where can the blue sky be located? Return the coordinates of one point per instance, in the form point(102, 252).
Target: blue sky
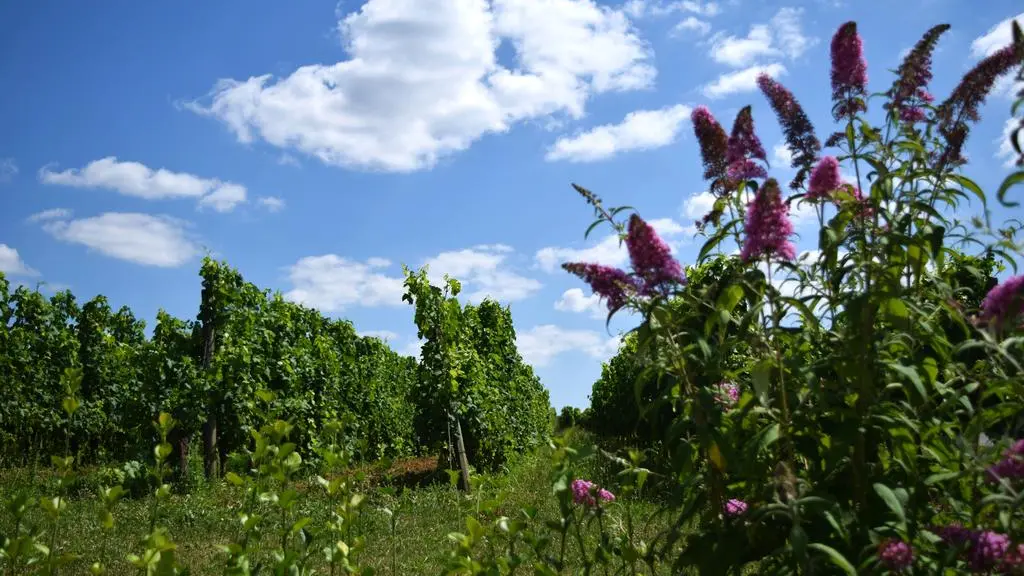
point(318, 146)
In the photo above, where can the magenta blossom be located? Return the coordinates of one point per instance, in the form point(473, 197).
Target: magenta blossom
point(713, 145)
point(734, 508)
point(768, 227)
point(912, 114)
point(1003, 303)
point(824, 178)
point(914, 73)
point(744, 148)
point(896, 555)
point(954, 534)
point(726, 394)
point(849, 71)
point(651, 258)
point(799, 132)
point(612, 284)
point(583, 492)
point(1011, 466)
point(746, 170)
point(987, 550)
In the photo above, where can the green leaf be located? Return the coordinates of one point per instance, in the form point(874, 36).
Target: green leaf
point(891, 501)
point(729, 298)
point(761, 378)
point(476, 530)
point(1010, 181)
point(835, 557)
point(941, 477)
point(911, 374)
point(895, 308)
point(971, 186)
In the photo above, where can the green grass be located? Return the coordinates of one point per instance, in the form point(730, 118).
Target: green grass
point(205, 517)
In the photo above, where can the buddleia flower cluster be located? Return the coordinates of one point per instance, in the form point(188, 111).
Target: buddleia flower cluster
point(655, 270)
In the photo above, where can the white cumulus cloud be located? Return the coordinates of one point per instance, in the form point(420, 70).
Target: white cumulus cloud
point(422, 80)
point(11, 263)
point(271, 203)
point(692, 24)
point(1006, 153)
point(697, 205)
point(140, 238)
point(331, 283)
point(138, 180)
point(639, 130)
point(541, 344)
point(782, 156)
point(781, 37)
point(51, 214)
point(760, 51)
point(575, 300)
point(8, 169)
point(485, 271)
point(744, 80)
point(996, 38)
point(224, 198)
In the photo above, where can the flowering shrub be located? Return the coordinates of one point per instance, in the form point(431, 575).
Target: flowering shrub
point(853, 441)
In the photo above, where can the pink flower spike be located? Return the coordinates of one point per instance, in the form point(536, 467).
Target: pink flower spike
point(744, 148)
point(713, 144)
point(612, 284)
point(1003, 303)
point(768, 227)
point(849, 70)
point(651, 258)
point(824, 178)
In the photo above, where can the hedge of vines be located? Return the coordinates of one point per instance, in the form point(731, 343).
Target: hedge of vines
point(207, 374)
point(318, 368)
point(471, 371)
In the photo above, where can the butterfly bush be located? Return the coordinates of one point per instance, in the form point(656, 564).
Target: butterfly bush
point(848, 433)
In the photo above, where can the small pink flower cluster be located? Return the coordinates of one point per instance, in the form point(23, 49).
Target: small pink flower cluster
point(895, 554)
point(987, 551)
point(1011, 466)
point(583, 492)
point(734, 508)
point(726, 394)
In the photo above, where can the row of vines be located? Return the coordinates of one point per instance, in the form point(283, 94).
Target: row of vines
point(208, 373)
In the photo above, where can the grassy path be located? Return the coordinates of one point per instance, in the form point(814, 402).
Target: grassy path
point(206, 517)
